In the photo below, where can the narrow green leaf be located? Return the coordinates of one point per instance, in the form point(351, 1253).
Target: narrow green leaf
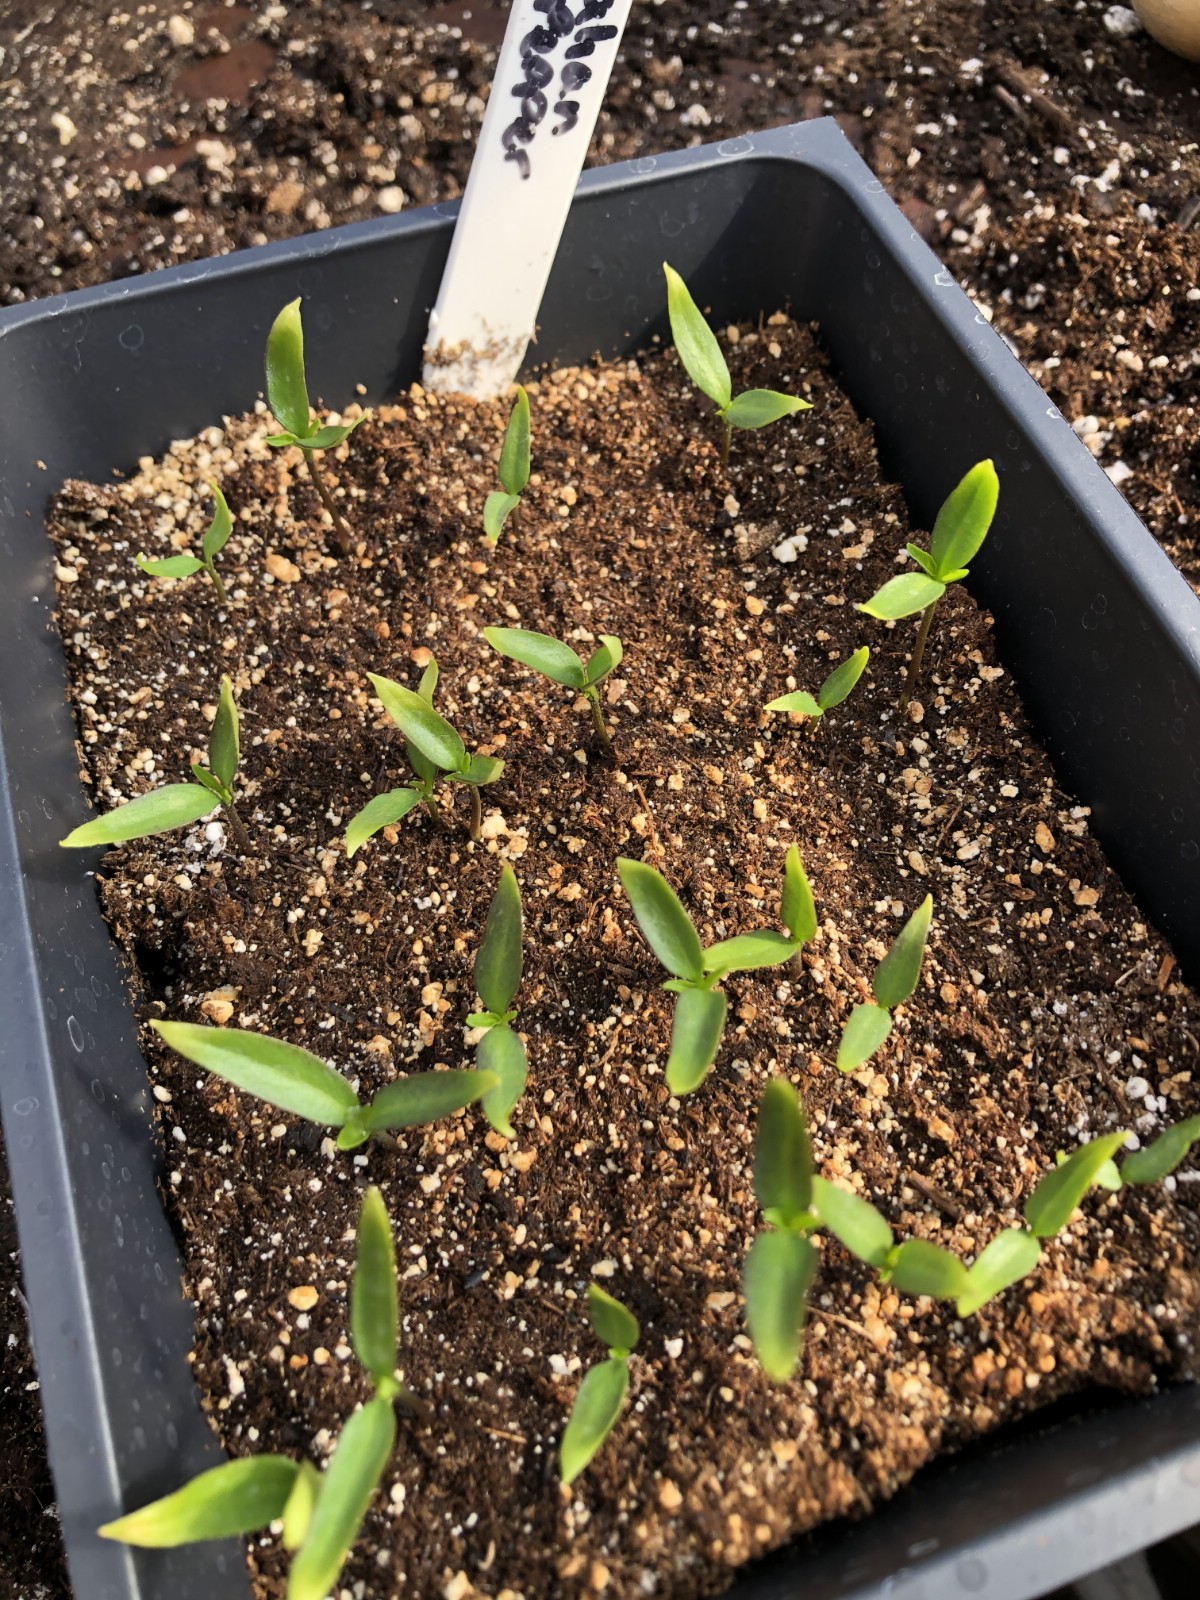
point(170, 566)
point(696, 343)
point(609, 653)
point(419, 722)
point(799, 701)
point(379, 813)
point(497, 509)
point(902, 596)
point(207, 781)
point(429, 681)
point(301, 1502)
point(780, 1268)
point(426, 1097)
point(498, 961)
point(748, 951)
point(374, 1297)
point(330, 436)
point(919, 1267)
point(1108, 1178)
point(1009, 1257)
point(282, 1074)
point(236, 1497)
point(854, 1222)
point(963, 522)
point(538, 650)
point(754, 408)
point(842, 679)
point(219, 529)
point(866, 1030)
point(665, 924)
point(479, 771)
point(597, 1406)
point(1050, 1205)
point(695, 1038)
point(783, 1162)
point(223, 745)
point(514, 452)
point(613, 1324)
point(502, 1054)
point(287, 394)
point(349, 1483)
point(1163, 1156)
point(797, 911)
point(280, 440)
point(897, 975)
point(173, 806)
point(925, 561)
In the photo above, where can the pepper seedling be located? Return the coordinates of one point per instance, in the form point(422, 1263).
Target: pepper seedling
point(321, 1512)
point(781, 1265)
point(602, 1393)
point(560, 664)
point(177, 804)
point(292, 1079)
point(215, 537)
point(497, 979)
point(700, 1010)
point(287, 395)
point(434, 748)
point(706, 367)
point(896, 978)
point(961, 527)
point(832, 692)
point(513, 472)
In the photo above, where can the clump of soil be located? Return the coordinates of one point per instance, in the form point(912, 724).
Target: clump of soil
point(1048, 1011)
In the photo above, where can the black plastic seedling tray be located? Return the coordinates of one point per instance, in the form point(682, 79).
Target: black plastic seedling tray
point(1101, 633)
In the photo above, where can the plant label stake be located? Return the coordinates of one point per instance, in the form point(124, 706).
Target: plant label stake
point(554, 66)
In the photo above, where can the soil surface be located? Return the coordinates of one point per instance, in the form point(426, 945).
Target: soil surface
point(1047, 1012)
point(1050, 154)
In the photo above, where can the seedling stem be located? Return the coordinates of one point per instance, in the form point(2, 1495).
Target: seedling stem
point(914, 665)
point(598, 718)
point(344, 539)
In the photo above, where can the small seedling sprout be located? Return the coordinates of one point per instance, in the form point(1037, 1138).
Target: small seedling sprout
point(514, 470)
point(560, 664)
point(287, 395)
point(292, 1079)
point(700, 1010)
point(215, 536)
point(177, 804)
point(781, 1264)
point(961, 527)
point(602, 1393)
point(706, 367)
point(896, 978)
point(497, 979)
point(832, 692)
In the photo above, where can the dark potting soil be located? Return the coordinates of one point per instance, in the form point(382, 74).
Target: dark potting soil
point(1048, 1010)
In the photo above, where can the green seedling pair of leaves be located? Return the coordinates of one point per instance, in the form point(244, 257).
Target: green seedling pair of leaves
point(435, 750)
point(514, 470)
point(896, 978)
point(706, 367)
point(701, 1007)
point(960, 529)
point(601, 1395)
point(832, 692)
point(215, 537)
point(497, 979)
point(177, 804)
point(560, 664)
point(287, 395)
point(292, 1079)
point(321, 1512)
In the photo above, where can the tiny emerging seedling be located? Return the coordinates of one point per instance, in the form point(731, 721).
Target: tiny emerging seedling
point(434, 749)
point(781, 1264)
point(292, 1079)
point(832, 692)
point(177, 804)
point(560, 664)
point(215, 536)
point(700, 1010)
point(321, 1512)
point(961, 527)
point(514, 470)
point(497, 978)
point(896, 978)
point(706, 367)
point(287, 395)
point(602, 1393)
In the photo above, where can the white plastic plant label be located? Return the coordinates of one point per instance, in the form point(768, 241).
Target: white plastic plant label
point(554, 66)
